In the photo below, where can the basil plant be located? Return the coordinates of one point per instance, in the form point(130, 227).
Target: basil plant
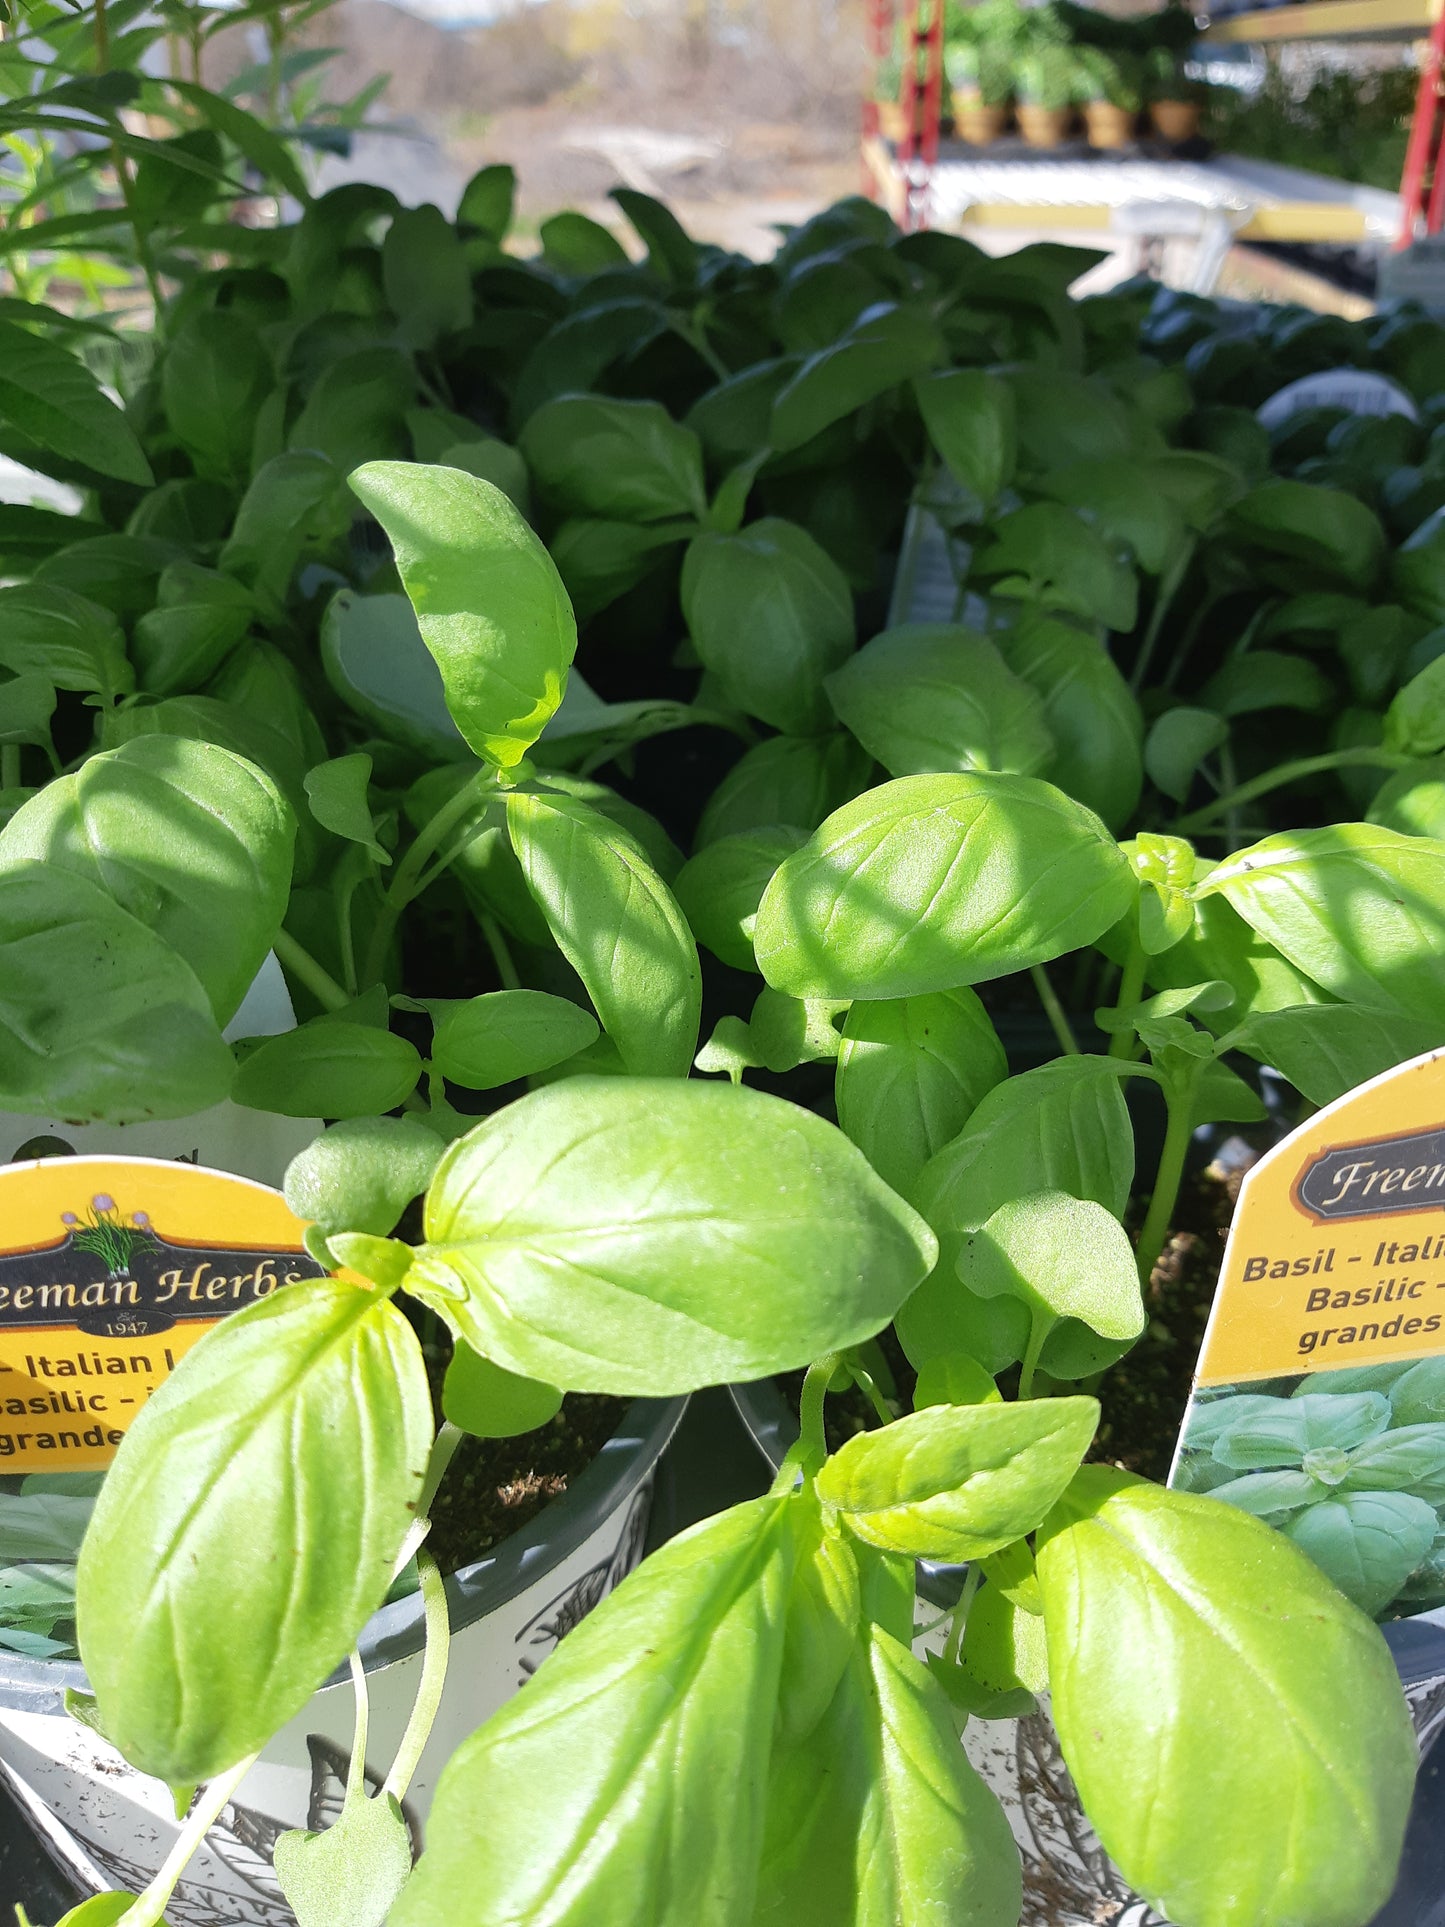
point(740, 1734)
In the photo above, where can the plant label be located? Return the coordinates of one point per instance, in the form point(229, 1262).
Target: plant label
point(1319, 1399)
point(110, 1270)
point(1354, 389)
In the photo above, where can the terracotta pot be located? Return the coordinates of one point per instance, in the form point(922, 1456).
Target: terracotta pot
point(892, 121)
point(1044, 126)
point(1108, 125)
point(977, 122)
point(1175, 120)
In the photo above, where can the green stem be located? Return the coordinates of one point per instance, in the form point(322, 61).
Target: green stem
point(433, 1678)
point(1168, 589)
point(960, 1614)
point(305, 969)
point(1054, 1011)
point(1294, 772)
point(442, 1453)
point(356, 1772)
point(501, 954)
point(406, 883)
point(1179, 1097)
point(812, 1432)
point(1039, 1330)
point(102, 38)
point(1131, 990)
point(151, 1905)
point(868, 1385)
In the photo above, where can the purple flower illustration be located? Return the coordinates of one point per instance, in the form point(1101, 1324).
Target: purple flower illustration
point(68, 1217)
point(103, 1201)
point(142, 1219)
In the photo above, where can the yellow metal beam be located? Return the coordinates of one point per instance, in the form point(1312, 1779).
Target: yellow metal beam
point(1284, 221)
point(1329, 20)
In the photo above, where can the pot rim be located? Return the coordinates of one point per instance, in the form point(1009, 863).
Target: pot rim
point(396, 1630)
point(1417, 1644)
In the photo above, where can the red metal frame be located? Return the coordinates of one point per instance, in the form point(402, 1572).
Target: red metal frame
point(1422, 186)
point(920, 96)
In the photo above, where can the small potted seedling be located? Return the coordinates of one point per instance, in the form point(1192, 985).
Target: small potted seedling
point(1112, 96)
point(1046, 80)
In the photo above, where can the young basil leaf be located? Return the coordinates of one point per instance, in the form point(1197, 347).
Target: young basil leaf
point(1325, 1050)
point(425, 274)
point(1385, 954)
point(198, 618)
point(618, 925)
point(957, 1482)
point(281, 1462)
point(295, 504)
point(1065, 1257)
point(1307, 537)
point(489, 601)
point(362, 1174)
point(1268, 1495)
point(1125, 503)
point(729, 1051)
point(770, 613)
point(484, 1042)
point(692, 1641)
point(1161, 1608)
point(193, 841)
point(970, 418)
point(788, 1031)
point(794, 781)
point(721, 887)
point(71, 641)
point(1367, 1543)
point(215, 375)
point(328, 1068)
point(51, 397)
point(352, 1870)
point(1005, 1649)
point(1415, 720)
point(487, 200)
point(27, 703)
point(1058, 554)
point(934, 696)
point(1282, 1430)
point(1178, 742)
point(672, 254)
point(629, 460)
point(1408, 1459)
point(825, 1610)
point(492, 1403)
point(931, 882)
point(356, 408)
point(1063, 1127)
point(885, 347)
point(338, 794)
point(133, 1036)
point(1089, 711)
point(911, 1071)
point(558, 1246)
point(573, 243)
point(599, 561)
point(954, 1378)
point(375, 660)
point(1417, 1396)
point(878, 1816)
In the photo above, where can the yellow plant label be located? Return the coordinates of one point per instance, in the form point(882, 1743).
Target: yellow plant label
point(111, 1268)
point(1336, 1255)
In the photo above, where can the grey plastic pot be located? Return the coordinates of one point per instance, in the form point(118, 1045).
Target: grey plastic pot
point(107, 1825)
point(1069, 1881)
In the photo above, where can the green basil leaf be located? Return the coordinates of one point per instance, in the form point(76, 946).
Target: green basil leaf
point(954, 1378)
point(572, 243)
point(484, 1042)
point(957, 1482)
point(191, 840)
point(1409, 1459)
point(1125, 503)
point(825, 1607)
point(1280, 1431)
point(215, 376)
point(1178, 743)
point(133, 1036)
point(558, 1246)
point(1413, 800)
point(1055, 551)
point(198, 619)
point(362, 1174)
point(1006, 1648)
point(425, 274)
point(281, 1462)
point(72, 642)
point(794, 781)
point(931, 882)
point(788, 1031)
point(618, 925)
point(770, 613)
point(1268, 1495)
point(102, 1910)
point(885, 347)
point(970, 418)
point(338, 794)
point(1161, 1608)
point(487, 200)
point(1367, 1543)
point(1415, 720)
point(691, 1641)
point(672, 254)
point(1267, 679)
point(1312, 537)
point(492, 1403)
point(1290, 887)
point(27, 703)
point(721, 887)
point(933, 696)
point(628, 460)
point(1063, 1127)
point(1064, 1257)
point(52, 398)
point(911, 1071)
point(1089, 711)
point(1325, 1050)
point(354, 1868)
point(375, 660)
point(328, 1069)
point(357, 408)
point(295, 505)
point(879, 1817)
point(1417, 1395)
point(488, 598)
point(599, 561)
